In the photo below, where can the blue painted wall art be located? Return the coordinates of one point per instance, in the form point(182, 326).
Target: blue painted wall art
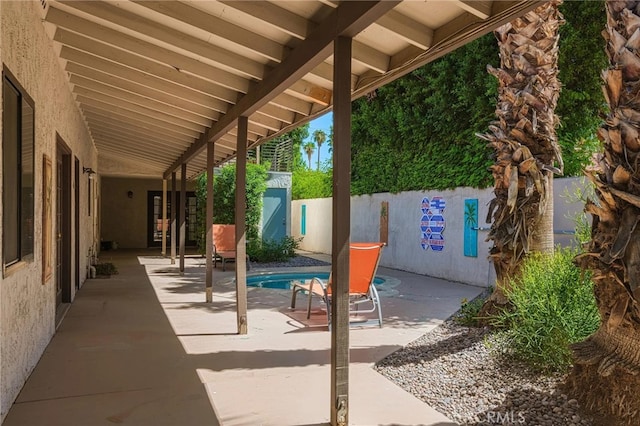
point(471, 227)
point(432, 223)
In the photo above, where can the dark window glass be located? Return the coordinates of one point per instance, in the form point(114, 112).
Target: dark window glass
point(18, 172)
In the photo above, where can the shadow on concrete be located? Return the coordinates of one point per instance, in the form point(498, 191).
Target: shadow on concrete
point(115, 358)
point(431, 351)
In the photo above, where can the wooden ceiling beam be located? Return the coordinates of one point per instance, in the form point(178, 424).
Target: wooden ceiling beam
point(119, 115)
point(130, 148)
point(294, 25)
point(230, 61)
point(97, 80)
point(407, 29)
point(315, 94)
point(144, 105)
point(144, 48)
point(279, 113)
point(348, 20)
point(118, 151)
point(219, 29)
point(146, 66)
point(88, 60)
point(116, 131)
point(274, 16)
point(153, 147)
point(266, 122)
point(163, 121)
point(479, 8)
point(100, 121)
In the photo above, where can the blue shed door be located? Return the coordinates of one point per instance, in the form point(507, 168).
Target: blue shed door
point(274, 214)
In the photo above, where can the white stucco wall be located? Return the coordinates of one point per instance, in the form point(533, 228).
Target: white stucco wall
point(27, 307)
point(404, 251)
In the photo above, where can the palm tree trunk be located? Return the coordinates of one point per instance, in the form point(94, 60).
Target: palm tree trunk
point(525, 144)
point(606, 376)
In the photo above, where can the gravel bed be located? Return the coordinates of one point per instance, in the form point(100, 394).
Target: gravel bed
point(453, 369)
point(294, 262)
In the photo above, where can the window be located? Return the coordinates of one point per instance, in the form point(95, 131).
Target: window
point(17, 171)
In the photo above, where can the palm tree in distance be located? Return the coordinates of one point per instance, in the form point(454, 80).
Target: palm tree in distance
point(309, 148)
point(319, 136)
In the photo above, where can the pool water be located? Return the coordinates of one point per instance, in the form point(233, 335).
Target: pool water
point(283, 281)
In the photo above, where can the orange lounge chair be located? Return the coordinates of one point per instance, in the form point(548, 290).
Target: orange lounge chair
point(224, 245)
point(363, 264)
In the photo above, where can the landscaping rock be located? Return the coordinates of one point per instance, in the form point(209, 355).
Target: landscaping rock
point(453, 369)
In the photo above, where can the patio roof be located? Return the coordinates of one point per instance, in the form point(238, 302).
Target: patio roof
point(157, 80)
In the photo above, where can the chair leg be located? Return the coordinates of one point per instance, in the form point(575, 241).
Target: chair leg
point(376, 300)
point(309, 305)
point(224, 262)
point(294, 293)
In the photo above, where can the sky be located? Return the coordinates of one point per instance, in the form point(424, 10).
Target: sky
point(321, 123)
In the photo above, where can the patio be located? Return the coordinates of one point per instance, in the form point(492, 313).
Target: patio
point(144, 348)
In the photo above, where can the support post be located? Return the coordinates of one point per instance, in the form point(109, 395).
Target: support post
point(182, 213)
point(209, 222)
point(241, 234)
point(174, 224)
point(163, 227)
point(341, 231)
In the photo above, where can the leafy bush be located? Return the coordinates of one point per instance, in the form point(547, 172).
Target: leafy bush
point(106, 268)
point(311, 184)
point(553, 307)
point(273, 251)
point(224, 200)
point(469, 310)
point(418, 132)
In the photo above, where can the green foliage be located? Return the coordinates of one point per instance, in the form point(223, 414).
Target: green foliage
point(272, 251)
point(469, 310)
point(224, 193)
point(297, 136)
point(311, 184)
point(309, 148)
point(553, 307)
point(582, 220)
point(580, 62)
point(106, 269)
point(418, 132)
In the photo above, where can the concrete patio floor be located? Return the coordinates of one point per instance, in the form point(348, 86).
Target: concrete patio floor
point(142, 348)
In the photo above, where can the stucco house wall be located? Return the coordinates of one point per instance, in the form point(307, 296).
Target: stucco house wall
point(27, 306)
point(124, 219)
point(405, 251)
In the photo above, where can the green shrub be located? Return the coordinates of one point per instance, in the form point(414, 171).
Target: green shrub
point(224, 200)
point(106, 268)
point(553, 307)
point(273, 251)
point(469, 310)
point(311, 184)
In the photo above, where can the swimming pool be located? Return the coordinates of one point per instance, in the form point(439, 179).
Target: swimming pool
point(282, 281)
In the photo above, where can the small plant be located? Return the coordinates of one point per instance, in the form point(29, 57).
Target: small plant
point(273, 251)
point(106, 269)
point(553, 307)
point(469, 310)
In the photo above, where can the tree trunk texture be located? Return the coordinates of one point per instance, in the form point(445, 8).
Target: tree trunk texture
point(524, 142)
point(605, 376)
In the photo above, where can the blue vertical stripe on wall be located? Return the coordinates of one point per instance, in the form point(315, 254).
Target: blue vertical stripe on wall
point(303, 220)
point(471, 227)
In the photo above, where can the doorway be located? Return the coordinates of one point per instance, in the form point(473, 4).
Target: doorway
point(76, 221)
point(274, 214)
point(154, 218)
point(63, 225)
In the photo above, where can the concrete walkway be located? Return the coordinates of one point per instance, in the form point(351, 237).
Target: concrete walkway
point(142, 348)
